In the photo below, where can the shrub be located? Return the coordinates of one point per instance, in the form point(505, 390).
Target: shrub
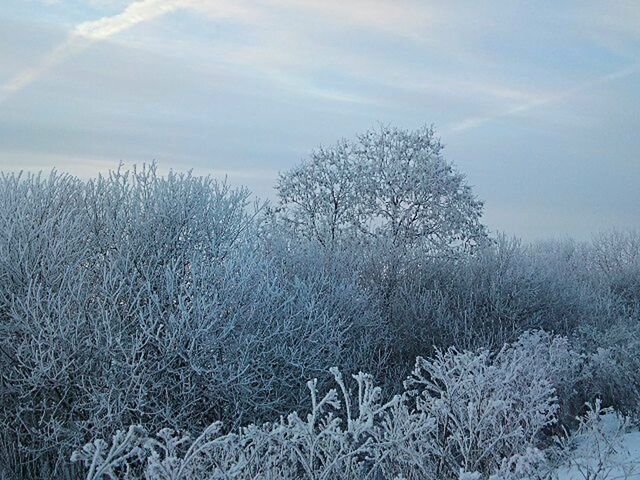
point(136, 298)
point(486, 408)
point(172, 302)
point(596, 450)
point(469, 412)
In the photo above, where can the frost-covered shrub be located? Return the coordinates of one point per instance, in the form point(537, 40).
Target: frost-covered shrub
point(532, 464)
point(487, 408)
point(612, 365)
point(136, 298)
point(615, 257)
point(553, 358)
point(41, 264)
point(489, 298)
point(340, 437)
point(171, 302)
point(337, 278)
point(464, 414)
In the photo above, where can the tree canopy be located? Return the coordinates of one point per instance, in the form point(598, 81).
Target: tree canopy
point(387, 184)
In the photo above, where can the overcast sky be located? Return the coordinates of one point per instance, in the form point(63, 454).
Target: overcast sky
point(538, 102)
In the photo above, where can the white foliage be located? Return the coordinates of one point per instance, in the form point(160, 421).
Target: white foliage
point(163, 301)
point(135, 298)
point(388, 184)
point(334, 440)
point(464, 415)
point(487, 407)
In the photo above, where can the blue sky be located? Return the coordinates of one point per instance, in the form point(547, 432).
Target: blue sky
point(538, 102)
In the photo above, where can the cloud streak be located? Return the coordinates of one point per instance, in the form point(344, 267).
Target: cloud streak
point(85, 34)
point(473, 122)
point(137, 12)
point(293, 65)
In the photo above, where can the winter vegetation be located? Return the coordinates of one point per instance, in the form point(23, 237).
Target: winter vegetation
point(171, 327)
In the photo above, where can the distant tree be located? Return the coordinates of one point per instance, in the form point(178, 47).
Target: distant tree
point(319, 197)
point(388, 184)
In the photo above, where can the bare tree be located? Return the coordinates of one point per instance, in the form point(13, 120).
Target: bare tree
point(388, 185)
point(319, 197)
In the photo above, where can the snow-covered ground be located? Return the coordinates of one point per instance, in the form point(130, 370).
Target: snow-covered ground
point(606, 453)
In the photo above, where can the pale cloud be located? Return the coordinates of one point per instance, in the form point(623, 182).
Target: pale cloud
point(290, 57)
point(87, 32)
point(280, 49)
point(282, 55)
point(412, 19)
point(24, 78)
point(473, 122)
point(137, 12)
point(615, 24)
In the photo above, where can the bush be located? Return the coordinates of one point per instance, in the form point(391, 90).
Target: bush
point(136, 298)
point(487, 408)
point(174, 302)
point(489, 298)
point(596, 450)
point(612, 365)
point(461, 412)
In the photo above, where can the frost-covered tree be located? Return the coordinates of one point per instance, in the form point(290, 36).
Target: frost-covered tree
point(319, 198)
point(388, 184)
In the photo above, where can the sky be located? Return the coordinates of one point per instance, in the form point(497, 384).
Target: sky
point(537, 102)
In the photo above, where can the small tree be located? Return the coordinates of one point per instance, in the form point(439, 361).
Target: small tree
point(389, 185)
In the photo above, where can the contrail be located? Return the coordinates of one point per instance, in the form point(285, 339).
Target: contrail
point(86, 33)
point(473, 122)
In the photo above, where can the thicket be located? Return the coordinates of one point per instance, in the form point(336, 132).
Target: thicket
point(176, 302)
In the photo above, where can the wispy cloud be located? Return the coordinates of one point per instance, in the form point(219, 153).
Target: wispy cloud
point(54, 57)
point(473, 122)
point(84, 34)
point(282, 55)
point(138, 12)
point(411, 20)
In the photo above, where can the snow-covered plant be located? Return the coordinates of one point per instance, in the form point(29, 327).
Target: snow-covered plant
point(615, 255)
point(487, 407)
point(113, 460)
point(468, 414)
point(612, 368)
point(387, 184)
point(137, 298)
point(597, 450)
point(463, 475)
point(549, 357)
point(338, 438)
point(491, 297)
point(532, 464)
point(166, 301)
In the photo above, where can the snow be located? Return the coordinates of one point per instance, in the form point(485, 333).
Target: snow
point(615, 458)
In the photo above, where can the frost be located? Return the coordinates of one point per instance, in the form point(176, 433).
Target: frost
point(463, 415)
